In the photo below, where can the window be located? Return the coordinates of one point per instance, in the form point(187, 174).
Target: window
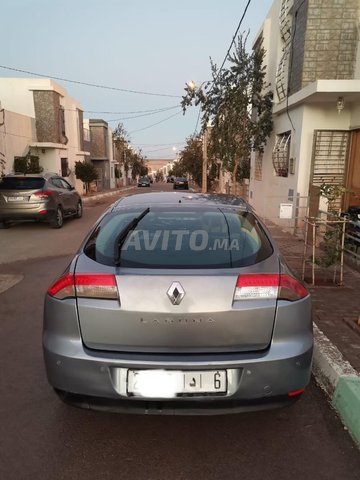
point(21, 183)
point(64, 167)
point(281, 154)
point(168, 237)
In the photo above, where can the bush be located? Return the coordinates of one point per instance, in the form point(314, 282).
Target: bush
point(86, 172)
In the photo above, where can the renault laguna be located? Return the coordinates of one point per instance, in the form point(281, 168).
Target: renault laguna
point(178, 303)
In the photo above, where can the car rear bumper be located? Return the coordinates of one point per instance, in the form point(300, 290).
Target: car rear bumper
point(40, 212)
point(256, 381)
point(175, 407)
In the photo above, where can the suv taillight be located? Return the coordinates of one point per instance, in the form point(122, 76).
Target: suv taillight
point(88, 285)
point(269, 286)
point(43, 193)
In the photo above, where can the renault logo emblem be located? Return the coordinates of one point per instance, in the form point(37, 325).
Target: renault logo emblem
point(176, 293)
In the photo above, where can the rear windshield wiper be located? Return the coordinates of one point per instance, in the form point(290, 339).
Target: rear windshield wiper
point(120, 239)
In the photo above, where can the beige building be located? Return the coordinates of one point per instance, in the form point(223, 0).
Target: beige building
point(39, 118)
point(313, 66)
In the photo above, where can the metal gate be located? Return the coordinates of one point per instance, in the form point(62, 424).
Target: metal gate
point(330, 152)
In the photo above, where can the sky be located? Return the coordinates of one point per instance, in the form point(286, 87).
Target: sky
point(153, 46)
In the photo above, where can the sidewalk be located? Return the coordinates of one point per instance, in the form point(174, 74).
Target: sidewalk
point(93, 197)
point(336, 312)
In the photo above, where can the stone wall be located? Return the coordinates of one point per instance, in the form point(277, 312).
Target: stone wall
point(98, 132)
point(47, 115)
point(325, 42)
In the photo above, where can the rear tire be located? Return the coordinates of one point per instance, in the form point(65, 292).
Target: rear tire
point(4, 225)
point(79, 210)
point(58, 220)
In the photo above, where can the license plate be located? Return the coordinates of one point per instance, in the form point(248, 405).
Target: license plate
point(15, 199)
point(170, 383)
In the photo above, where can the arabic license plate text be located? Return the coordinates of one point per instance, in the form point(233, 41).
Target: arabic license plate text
point(170, 383)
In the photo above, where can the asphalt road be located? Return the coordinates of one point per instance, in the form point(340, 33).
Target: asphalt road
point(41, 438)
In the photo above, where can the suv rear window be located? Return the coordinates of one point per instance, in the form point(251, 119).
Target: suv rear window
point(22, 183)
point(179, 237)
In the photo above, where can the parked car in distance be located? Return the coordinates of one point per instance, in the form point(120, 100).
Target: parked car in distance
point(178, 302)
point(170, 179)
point(181, 183)
point(39, 197)
point(144, 182)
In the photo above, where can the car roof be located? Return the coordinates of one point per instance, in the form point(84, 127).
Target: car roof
point(171, 198)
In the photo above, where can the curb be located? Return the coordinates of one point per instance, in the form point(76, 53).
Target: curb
point(340, 381)
point(106, 194)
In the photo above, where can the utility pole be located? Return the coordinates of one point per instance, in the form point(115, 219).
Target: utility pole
point(205, 161)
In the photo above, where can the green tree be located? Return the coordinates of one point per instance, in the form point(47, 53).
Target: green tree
point(190, 161)
point(238, 104)
point(137, 163)
point(86, 172)
point(121, 142)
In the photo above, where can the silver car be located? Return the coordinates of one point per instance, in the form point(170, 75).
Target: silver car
point(180, 303)
point(44, 198)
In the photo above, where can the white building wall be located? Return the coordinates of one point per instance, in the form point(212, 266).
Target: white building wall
point(19, 131)
point(16, 94)
point(313, 108)
point(15, 135)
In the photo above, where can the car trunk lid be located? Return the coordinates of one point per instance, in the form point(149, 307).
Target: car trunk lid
point(183, 312)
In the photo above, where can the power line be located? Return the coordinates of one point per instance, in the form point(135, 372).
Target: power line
point(143, 115)
point(232, 41)
point(62, 79)
point(157, 150)
point(226, 57)
point(130, 113)
point(158, 144)
point(157, 123)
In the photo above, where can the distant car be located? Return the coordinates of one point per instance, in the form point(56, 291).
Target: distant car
point(144, 182)
point(43, 198)
point(181, 183)
point(178, 302)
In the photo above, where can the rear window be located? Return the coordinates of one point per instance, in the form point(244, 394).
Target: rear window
point(178, 237)
point(21, 183)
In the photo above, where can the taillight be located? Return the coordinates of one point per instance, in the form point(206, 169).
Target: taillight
point(43, 194)
point(63, 287)
point(291, 289)
point(90, 285)
point(96, 286)
point(269, 286)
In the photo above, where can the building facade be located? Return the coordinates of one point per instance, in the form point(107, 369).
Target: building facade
point(101, 152)
point(38, 118)
point(313, 65)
